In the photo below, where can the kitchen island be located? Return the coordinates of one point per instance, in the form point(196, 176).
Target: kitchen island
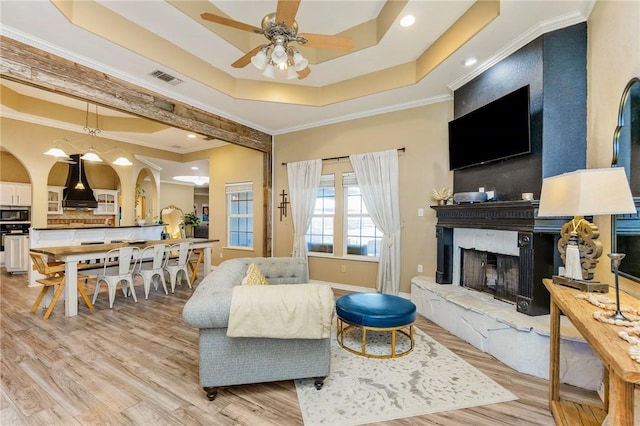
point(75, 236)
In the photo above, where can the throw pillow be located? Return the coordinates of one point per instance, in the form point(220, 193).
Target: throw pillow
point(254, 276)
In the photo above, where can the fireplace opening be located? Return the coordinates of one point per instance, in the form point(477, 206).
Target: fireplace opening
point(492, 273)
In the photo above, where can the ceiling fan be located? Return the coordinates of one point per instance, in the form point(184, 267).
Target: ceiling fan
point(281, 29)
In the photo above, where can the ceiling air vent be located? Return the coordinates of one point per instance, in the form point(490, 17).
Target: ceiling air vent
point(168, 78)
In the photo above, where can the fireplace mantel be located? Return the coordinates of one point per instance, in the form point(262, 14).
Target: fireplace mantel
point(501, 215)
point(537, 239)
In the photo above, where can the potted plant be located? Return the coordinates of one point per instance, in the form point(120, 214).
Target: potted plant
point(191, 220)
point(442, 196)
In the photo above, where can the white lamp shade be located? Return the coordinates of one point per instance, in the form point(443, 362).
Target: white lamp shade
point(57, 152)
point(589, 192)
point(279, 54)
point(269, 71)
point(299, 61)
point(91, 156)
point(291, 73)
point(122, 161)
point(259, 60)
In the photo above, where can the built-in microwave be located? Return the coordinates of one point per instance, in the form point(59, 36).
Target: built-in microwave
point(14, 215)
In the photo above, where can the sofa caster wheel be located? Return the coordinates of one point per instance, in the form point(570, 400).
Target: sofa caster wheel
point(318, 382)
point(211, 393)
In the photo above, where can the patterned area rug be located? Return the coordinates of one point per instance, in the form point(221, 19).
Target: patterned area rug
point(362, 390)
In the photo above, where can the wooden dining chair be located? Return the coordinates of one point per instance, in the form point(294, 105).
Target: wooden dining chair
point(54, 277)
point(197, 256)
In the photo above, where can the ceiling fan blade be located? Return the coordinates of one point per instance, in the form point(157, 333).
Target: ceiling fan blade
point(246, 59)
point(286, 11)
point(229, 22)
point(304, 73)
point(331, 42)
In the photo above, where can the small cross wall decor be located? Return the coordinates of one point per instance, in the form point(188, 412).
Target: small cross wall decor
point(283, 205)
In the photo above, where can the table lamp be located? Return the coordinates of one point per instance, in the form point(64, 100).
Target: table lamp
point(589, 192)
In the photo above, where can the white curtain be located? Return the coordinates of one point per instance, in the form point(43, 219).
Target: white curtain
point(304, 180)
point(377, 175)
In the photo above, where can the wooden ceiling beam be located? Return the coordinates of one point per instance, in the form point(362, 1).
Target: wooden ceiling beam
point(30, 65)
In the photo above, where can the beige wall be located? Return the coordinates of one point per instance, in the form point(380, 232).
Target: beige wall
point(11, 169)
point(613, 59)
point(180, 195)
point(234, 164)
point(423, 167)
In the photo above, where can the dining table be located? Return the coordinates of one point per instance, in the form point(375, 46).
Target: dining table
point(72, 256)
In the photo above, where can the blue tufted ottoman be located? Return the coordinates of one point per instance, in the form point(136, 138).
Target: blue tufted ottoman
point(376, 312)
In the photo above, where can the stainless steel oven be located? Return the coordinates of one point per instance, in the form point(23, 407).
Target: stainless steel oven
point(14, 215)
point(12, 229)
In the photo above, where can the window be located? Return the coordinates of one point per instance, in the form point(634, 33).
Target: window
point(240, 214)
point(319, 236)
point(362, 238)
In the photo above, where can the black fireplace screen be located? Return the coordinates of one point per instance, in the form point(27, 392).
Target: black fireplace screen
point(493, 273)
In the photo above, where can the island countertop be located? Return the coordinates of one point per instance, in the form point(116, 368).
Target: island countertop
point(66, 227)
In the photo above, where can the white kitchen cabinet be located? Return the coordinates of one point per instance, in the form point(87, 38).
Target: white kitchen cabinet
point(16, 253)
point(107, 201)
point(15, 194)
point(54, 199)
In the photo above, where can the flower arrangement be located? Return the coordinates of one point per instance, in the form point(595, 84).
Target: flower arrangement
point(441, 196)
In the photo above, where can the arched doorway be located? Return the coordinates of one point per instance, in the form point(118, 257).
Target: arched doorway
point(146, 197)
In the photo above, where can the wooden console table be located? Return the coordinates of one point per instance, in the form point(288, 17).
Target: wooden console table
point(621, 372)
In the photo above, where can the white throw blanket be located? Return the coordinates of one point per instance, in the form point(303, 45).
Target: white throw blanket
point(287, 311)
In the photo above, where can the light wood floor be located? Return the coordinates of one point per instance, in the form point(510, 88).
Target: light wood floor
point(137, 364)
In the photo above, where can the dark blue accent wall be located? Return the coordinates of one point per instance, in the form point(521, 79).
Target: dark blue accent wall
point(555, 67)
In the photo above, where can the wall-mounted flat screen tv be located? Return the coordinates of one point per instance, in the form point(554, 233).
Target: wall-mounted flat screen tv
point(495, 131)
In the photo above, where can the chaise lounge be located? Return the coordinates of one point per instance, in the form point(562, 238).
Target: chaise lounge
point(226, 361)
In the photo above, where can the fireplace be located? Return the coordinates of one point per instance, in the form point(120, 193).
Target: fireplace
point(505, 228)
point(493, 273)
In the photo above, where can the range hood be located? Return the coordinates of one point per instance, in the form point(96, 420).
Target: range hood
point(77, 193)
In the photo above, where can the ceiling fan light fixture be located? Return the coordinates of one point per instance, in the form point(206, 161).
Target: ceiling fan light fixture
point(281, 29)
point(259, 60)
point(279, 54)
point(291, 73)
point(269, 71)
point(299, 61)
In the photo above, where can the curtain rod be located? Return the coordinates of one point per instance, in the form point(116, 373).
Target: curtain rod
point(346, 156)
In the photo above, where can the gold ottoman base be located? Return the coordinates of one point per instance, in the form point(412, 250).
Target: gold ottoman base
point(344, 325)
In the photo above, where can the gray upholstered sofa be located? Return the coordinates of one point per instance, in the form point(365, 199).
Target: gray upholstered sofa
point(226, 361)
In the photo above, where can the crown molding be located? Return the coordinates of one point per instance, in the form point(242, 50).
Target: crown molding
point(369, 113)
point(534, 32)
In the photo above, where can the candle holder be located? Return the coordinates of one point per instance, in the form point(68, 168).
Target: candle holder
point(615, 261)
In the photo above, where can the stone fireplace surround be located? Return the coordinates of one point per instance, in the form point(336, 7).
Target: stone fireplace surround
point(517, 337)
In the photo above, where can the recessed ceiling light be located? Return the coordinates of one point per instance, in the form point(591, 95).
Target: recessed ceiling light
point(407, 21)
point(470, 61)
point(191, 136)
point(198, 180)
point(194, 168)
